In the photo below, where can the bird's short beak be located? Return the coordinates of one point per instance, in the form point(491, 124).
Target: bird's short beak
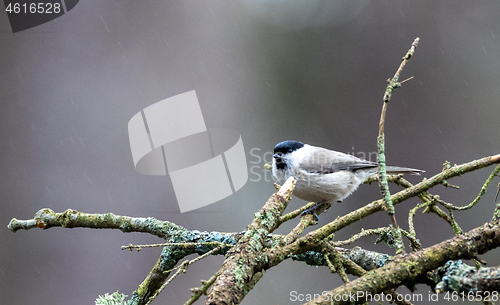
point(276, 156)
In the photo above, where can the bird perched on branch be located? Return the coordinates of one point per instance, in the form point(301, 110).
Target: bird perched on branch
point(323, 175)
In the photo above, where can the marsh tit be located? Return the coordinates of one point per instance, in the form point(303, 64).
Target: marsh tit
point(324, 176)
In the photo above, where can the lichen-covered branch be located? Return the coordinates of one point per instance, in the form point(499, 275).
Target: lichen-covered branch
point(453, 276)
point(182, 268)
point(199, 242)
point(459, 277)
point(47, 218)
point(368, 260)
point(238, 274)
point(409, 269)
point(198, 292)
point(382, 173)
point(476, 200)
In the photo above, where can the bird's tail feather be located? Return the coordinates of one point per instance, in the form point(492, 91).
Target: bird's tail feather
point(394, 170)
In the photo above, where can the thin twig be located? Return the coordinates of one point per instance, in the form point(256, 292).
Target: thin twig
point(476, 200)
point(190, 262)
point(139, 247)
point(384, 186)
point(336, 264)
point(363, 233)
point(182, 268)
point(330, 264)
point(198, 292)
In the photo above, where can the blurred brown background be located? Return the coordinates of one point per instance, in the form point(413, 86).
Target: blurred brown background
point(310, 71)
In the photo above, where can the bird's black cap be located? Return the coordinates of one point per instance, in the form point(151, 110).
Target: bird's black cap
point(287, 146)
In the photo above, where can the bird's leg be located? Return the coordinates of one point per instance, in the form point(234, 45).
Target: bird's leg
point(313, 210)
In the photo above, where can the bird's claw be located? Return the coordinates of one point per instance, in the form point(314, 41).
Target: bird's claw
point(311, 211)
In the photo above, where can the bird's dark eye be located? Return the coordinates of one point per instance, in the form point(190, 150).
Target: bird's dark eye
point(290, 150)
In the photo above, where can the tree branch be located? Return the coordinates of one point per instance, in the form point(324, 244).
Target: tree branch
point(459, 277)
point(238, 274)
point(382, 173)
point(407, 269)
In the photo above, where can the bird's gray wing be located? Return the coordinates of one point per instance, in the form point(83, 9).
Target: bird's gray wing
point(327, 162)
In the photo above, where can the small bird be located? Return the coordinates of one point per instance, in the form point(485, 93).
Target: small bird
point(323, 175)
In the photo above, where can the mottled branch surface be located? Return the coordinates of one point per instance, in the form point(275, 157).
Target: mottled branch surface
point(408, 269)
point(459, 277)
point(47, 218)
point(238, 273)
point(172, 233)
